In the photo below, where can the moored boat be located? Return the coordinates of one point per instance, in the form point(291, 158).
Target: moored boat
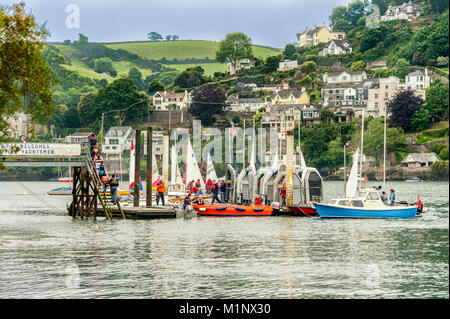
point(413, 180)
point(60, 191)
point(232, 210)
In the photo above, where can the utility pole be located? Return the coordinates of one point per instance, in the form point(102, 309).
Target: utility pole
point(137, 169)
point(149, 177)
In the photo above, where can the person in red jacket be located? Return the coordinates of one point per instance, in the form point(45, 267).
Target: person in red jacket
point(209, 185)
point(283, 195)
point(258, 201)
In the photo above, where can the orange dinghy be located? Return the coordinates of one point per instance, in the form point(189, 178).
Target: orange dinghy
point(232, 210)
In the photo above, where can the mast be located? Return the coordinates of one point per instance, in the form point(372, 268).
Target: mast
point(243, 150)
point(362, 150)
point(384, 149)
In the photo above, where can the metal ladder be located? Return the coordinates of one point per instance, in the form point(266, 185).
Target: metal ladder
point(101, 195)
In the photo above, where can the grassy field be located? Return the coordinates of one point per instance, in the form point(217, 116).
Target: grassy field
point(157, 50)
point(181, 49)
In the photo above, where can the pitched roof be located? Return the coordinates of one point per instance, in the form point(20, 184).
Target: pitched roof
point(420, 157)
point(118, 131)
point(349, 72)
point(341, 44)
point(170, 95)
point(284, 94)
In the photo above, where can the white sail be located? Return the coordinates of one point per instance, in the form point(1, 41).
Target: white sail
point(302, 160)
point(192, 169)
point(173, 166)
point(275, 161)
point(351, 188)
point(210, 171)
point(132, 159)
point(253, 154)
point(155, 171)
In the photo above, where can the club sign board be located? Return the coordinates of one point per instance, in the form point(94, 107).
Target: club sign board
point(39, 150)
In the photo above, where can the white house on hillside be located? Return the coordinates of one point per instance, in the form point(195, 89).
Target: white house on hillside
point(406, 11)
point(287, 65)
point(418, 80)
point(336, 47)
point(344, 77)
point(176, 101)
point(242, 64)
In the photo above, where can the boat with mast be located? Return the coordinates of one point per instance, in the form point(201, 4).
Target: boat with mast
point(361, 202)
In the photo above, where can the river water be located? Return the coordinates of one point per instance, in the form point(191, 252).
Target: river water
point(44, 254)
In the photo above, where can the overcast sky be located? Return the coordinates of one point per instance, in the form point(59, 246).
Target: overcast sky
point(268, 22)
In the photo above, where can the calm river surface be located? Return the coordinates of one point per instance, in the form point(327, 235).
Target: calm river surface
point(44, 254)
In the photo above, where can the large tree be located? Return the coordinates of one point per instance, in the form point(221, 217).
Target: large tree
point(154, 86)
point(189, 78)
point(154, 36)
point(402, 108)
point(86, 108)
point(119, 95)
point(207, 103)
point(25, 78)
point(235, 47)
point(436, 101)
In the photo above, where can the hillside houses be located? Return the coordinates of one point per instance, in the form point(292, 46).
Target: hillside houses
point(291, 97)
point(285, 118)
point(335, 47)
point(419, 79)
point(176, 101)
point(318, 35)
point(344, 77)
point(287, 65)
point(242, 64)
point(236, 104)
point(406, 11)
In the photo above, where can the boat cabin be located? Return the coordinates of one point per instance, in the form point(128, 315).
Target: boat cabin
point(368, 198)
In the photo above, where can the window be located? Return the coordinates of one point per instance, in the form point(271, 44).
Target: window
point(357, 203)
point(344, 203)
point(362, 194)
point(386, 95)
point(373, 196)
point(376, 95)
point(386, 86)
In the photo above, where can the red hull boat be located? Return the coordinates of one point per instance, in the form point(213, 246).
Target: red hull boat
point(232, 210)
point(308, 211)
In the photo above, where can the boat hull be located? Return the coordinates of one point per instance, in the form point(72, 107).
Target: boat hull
point(329, 211)
point(308, 211)
point(232, 210)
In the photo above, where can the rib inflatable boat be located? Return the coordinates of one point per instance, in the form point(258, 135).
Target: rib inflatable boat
point(232, 210)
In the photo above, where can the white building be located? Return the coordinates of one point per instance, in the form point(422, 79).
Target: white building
point(20, 125)
point(287, 65)
point(417, 160)
point(117, 140)
point(236, 104)
point(78, 138)
point(407, 11)
point(176, 101)
point(242, 64)
point(336, 47)
point(418, 80)
point(344, 77)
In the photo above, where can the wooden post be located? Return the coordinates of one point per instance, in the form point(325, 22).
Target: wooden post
point(137, 168)
point(290, 159)
point(149, 166)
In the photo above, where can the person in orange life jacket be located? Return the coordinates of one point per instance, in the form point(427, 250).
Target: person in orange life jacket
point(160, 190)
point(191, 187)
point(113, 185)
point(198, 184)
point(258, 201)
point(187, 202)
point(104, 180)
point(283, 195)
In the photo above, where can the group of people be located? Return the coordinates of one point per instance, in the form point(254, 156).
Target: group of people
point(384, 198)
point(96, 156)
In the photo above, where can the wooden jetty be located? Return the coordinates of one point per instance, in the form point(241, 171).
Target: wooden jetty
point(139, 212)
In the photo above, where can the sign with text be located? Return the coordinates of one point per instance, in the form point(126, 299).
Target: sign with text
point(39, 150)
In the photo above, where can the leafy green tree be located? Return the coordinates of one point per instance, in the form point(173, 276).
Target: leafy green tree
point(289, 50)
point(104, 65)
point(154, 86)
point(438, 147)
point(374, 139)
point(402, 67)
point(175, 37)
point(309, 66)
point(154, 36)
point(190, 78)
point(443, 154)
point(358, 66)
point(437, 101)
point(117, 95)
point(136, 76)
point(82, 40)
point(168, 37)
point(207, 103)
point(271, 63)
point(402, 108)
point(420, 119)
point(235, 47)
point(25, 78)
point(338, 13)
point(326, 116)
point(72, 118)
point(86, 108)
point(342, 25)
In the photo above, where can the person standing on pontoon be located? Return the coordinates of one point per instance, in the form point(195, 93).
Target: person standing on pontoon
point(392, 198)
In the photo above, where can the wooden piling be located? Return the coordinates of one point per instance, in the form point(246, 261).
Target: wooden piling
point(149, 166)
point(137, 169)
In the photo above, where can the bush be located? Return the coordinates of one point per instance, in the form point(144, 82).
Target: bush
point(443, 154)
point(439, 170)
point(438, 147)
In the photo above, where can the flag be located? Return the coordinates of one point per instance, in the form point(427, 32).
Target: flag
point(132, 145)
point(419, 201)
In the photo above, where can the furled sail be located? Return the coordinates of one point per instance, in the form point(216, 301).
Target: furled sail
point(351, 188)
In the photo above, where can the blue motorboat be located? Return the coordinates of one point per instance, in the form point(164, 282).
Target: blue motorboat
point(413, 180)
point(367, 204)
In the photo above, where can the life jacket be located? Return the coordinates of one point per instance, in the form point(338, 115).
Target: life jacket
point(258, 201)
point(196, 189)
point(283, 191)
point(160, 188)
point(197, 184)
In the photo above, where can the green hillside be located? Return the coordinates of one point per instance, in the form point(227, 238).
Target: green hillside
point(182, 49)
